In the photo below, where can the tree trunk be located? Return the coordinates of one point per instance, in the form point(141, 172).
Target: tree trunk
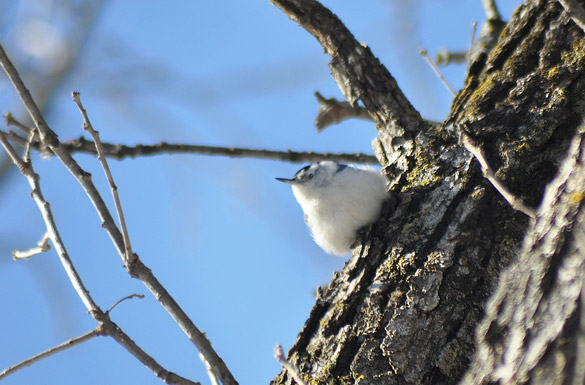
point(406, 306)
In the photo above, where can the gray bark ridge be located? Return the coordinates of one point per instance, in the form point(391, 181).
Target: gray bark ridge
point(534, 327)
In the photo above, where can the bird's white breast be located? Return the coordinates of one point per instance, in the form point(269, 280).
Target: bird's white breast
point(334, 213)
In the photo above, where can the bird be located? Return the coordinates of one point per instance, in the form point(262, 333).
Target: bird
point(337, 201)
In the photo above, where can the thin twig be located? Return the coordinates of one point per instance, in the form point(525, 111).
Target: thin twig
point(49, 352)
point(487, 171)
point(36, 193)
point(137, 269)
point(27, 146)
point(129, 257)
point(471, 42)
point(332, 111)
point(288, 366)
point(425, 54)
point(42, 246)
point(141, 296)
point(122, 151)
point(50, 139)
point(489, 174)
point(576, 12)
point(9, 120)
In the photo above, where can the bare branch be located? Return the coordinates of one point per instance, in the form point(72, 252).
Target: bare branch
point(332, 111)
point(212, 376)
point(142, 272)
point(129, 256)
point(49, 138)
point(489, 174)
point(576, 12)
point(140, 296)
point(107, 326)
point(289, 367)
point(136, 269)
point(122, 151)
point(45, 208)
point(43, 246)
point(49, 352)
point(356, 70)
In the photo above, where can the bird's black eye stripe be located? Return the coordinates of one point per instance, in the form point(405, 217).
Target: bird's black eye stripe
point(301, 171)
point(310, 176)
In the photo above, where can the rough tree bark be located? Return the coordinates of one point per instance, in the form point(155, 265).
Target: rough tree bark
point(406, 306)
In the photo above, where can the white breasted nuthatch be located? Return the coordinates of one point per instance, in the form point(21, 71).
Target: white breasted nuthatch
point(337, 201)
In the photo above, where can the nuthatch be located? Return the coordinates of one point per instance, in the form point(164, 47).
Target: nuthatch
point(337, 201)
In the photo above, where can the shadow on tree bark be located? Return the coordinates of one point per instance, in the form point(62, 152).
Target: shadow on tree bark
point(406, 306)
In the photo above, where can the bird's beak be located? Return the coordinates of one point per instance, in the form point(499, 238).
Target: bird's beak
point(287, 181)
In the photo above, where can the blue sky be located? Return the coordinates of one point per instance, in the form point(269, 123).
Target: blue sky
point(226, 239)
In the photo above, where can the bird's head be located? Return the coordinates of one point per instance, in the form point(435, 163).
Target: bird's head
point(315, 175)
